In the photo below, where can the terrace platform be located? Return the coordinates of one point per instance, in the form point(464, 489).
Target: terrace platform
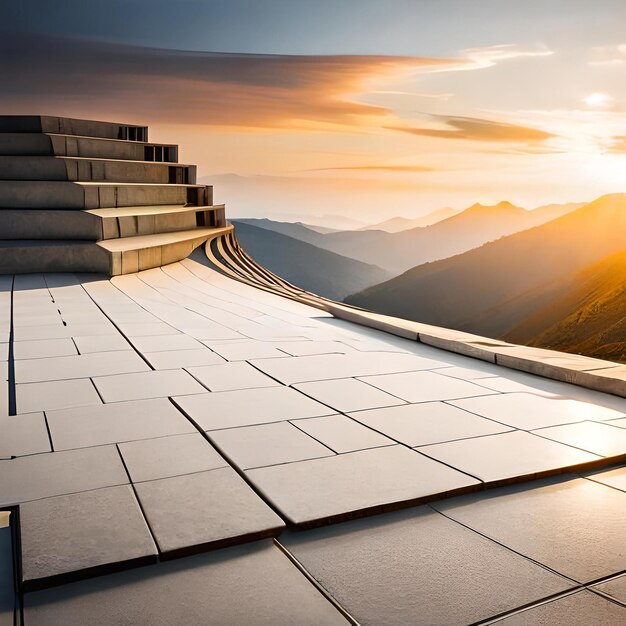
point(200, 442)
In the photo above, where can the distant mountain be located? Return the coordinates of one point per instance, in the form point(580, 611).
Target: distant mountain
point(398, 224)
point(586, 313)
point(322, 272)
point(494, 289)
point(396, 252)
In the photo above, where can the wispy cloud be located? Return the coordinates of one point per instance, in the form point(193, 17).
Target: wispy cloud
point(475, 129)
point(380, 168)
point(87, 77)
point(618, 144)
point(609, 56)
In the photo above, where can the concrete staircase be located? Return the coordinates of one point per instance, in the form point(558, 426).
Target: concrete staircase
point(87, 196)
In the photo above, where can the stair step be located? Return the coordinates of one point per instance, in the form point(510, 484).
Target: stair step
point(18, 194)
point(97, 224)
point(27, 256)
point(82, 169)
point(132, 254)
point(71, 126)
point(49, 144)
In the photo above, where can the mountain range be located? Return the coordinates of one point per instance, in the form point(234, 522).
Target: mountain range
point(397, 252)
point(557, 284)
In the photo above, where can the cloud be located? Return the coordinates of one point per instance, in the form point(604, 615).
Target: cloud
point(474, 129)
point(618, 144)
point(609, 56)
point(381, 168)
point(89, 78)
point(488, 56)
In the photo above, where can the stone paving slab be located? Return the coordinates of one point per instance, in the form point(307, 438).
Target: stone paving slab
point(151, 459)
point(228, 409)
point(58, 394)
point(231, 376)
point(575, 527)
point(116, 422)
point(267, 444)
point(342, 434)
point(349, 485)
point(82, 534)
point(213, 509)
point(23, 434)
point(427, 423)
point(144, 385)
point(225, 587)
point(501, 457)
point(45, 475)
point(417, 567)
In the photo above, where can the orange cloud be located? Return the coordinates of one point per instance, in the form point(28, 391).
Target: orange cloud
point(618, 144)
point(475, 129)
point(380, 168)
point(91, 78)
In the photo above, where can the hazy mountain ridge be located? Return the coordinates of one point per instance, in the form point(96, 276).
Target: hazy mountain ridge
point(314, 269)
point(501, 285)
point(397, 252)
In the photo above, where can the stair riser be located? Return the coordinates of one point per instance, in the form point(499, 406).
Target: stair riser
point(37, 144)
point(35, 224)
point(67, 195)
point(68, 126)
point(131, 261)
point(74, 257)
point(82, 170)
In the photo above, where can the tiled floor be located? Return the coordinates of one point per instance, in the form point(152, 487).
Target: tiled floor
point(177, 411)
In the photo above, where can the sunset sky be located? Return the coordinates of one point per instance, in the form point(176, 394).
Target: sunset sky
point(364, 109)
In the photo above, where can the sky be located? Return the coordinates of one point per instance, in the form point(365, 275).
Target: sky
point(356, 108)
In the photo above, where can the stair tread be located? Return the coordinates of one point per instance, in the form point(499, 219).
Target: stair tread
point(158, 209)
point(159, 239)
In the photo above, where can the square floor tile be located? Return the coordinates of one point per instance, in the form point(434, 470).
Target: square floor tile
point(44, 348)
point(347, 394)
point(154, 384)
point(326, 366)
point(112, 423)
point(150, 459)
point(508, 455)
point(417, 567)
point(529, 411)
point(267, 444)
point(58, 394)
point(576, 527)
point(78, 366)
point(96, 343)
point(305, 348)
point(245, 407)
point(58, 473)
point(231, 376)
point(23, 434)
point(425, 386)
point(176, 359)
point(599, 438)
point(244, 350)
point(206, 510)
point(428, 422)
point(337, 487)
point(225, 587)
point(342, 434)
point(162, 343)
point(100, 531)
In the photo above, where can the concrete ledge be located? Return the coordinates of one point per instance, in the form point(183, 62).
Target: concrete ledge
point(17, 194)
point(80, 169)
point(40, 144)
